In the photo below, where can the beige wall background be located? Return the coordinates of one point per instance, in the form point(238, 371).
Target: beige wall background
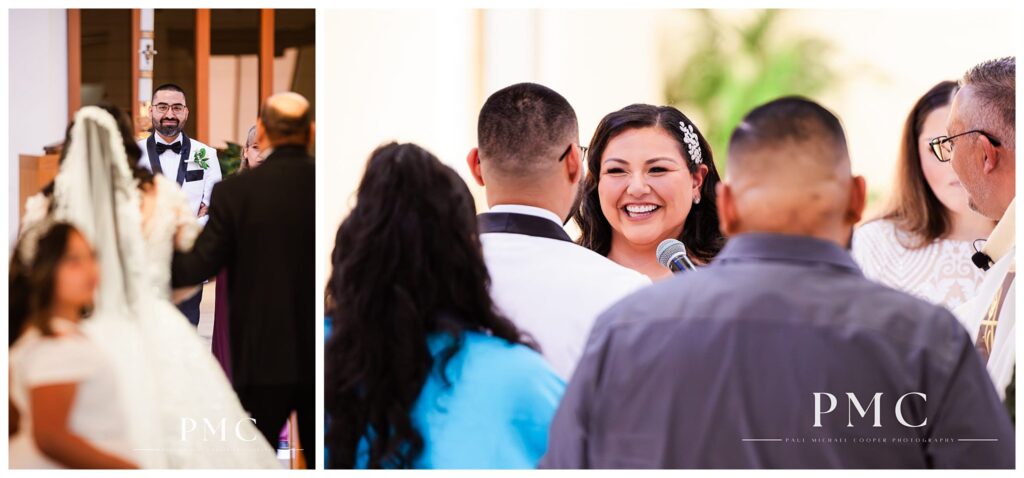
point(421, 76)
point(234, 84)
point(39, 94)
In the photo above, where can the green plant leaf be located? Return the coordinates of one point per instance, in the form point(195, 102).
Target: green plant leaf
point(733, 69)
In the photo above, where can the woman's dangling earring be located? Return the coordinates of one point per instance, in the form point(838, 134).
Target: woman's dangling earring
point(696, 199)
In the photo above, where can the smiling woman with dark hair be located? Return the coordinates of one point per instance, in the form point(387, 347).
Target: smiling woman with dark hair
point(421, 369)
point(652, 177)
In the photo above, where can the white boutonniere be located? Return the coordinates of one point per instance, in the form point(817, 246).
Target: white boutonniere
point(200, 158)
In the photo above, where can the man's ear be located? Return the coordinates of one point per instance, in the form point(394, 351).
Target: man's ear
point(726, 205)
point(992, 158)
point(473, 161)
point(857, 201)
point(574, 165)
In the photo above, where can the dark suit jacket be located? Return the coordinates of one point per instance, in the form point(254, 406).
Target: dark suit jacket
point(261, 229)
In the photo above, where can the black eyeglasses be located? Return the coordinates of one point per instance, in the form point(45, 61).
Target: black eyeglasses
point(583, 153)
point(942, 146)
point(162, 108)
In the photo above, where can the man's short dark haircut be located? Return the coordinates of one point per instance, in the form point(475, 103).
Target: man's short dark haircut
point(995, 83)
point(281, 126)
point(523, 127)
point(790, 119)
point(169, 87)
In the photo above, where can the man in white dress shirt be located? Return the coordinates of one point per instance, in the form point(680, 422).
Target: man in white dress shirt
point(531, 165)
point(982, 128)
point(193, 165)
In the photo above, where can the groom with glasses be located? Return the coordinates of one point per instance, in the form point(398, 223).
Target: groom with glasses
point(190, 163)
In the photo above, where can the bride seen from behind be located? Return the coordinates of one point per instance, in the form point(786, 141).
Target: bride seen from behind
point(181, 410)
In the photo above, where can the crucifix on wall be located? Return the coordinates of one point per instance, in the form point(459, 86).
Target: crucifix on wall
point(147, 55)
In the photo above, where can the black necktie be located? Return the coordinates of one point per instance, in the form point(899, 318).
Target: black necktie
point(161, 148)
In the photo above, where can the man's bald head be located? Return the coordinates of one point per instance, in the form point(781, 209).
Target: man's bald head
point(788, 171)
point(286, 119)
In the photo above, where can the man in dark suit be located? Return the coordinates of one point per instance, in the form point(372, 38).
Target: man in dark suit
point(261, 228)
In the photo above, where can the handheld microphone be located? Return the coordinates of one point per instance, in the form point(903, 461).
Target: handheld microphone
point(672, 254)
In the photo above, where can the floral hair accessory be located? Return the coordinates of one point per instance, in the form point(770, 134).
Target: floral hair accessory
point(692, 142)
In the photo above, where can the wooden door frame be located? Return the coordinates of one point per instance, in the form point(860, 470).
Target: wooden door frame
point(266, 60)
point(134, 112)
point(202, 100)
point(74, 19)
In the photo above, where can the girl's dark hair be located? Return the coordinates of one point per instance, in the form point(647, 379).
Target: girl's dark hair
point(701, 234)
point(31, 285)
point(407, 263)
point(914, 207)
point(131, 148)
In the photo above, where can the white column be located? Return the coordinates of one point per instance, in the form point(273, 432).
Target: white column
point(38, 91)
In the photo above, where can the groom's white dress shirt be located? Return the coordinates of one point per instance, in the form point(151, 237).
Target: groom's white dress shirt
point(198, 182)
point(553, 289)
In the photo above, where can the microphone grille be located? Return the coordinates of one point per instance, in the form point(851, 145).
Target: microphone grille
point(669, 248)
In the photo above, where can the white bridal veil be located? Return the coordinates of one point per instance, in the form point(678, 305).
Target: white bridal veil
point(180, 410)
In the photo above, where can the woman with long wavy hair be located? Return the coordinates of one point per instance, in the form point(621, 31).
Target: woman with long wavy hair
point(421, 369)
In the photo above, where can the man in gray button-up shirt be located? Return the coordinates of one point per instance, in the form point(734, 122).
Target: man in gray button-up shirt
point(780, 354)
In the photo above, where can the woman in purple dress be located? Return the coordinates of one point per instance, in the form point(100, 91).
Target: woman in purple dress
point(221, 344)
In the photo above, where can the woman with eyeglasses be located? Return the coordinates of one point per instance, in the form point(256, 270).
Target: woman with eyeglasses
point(651, 177)
point(923, 242)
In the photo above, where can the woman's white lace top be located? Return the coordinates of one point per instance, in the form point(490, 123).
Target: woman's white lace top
point(940, 272)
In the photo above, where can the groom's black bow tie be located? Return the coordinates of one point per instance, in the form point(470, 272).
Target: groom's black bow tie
point(161, 148)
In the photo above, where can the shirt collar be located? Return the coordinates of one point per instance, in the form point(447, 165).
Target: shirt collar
point(160, 139)
point(786, 248)
point(528, 210)
point(284, 148)
point(1003, 237)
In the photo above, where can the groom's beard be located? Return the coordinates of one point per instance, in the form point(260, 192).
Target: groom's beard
point(169, 128)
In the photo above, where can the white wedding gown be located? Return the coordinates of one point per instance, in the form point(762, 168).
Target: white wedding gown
point(181, 409)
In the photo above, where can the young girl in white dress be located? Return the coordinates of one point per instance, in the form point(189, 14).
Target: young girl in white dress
point(924, 241)
point(62, 384)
